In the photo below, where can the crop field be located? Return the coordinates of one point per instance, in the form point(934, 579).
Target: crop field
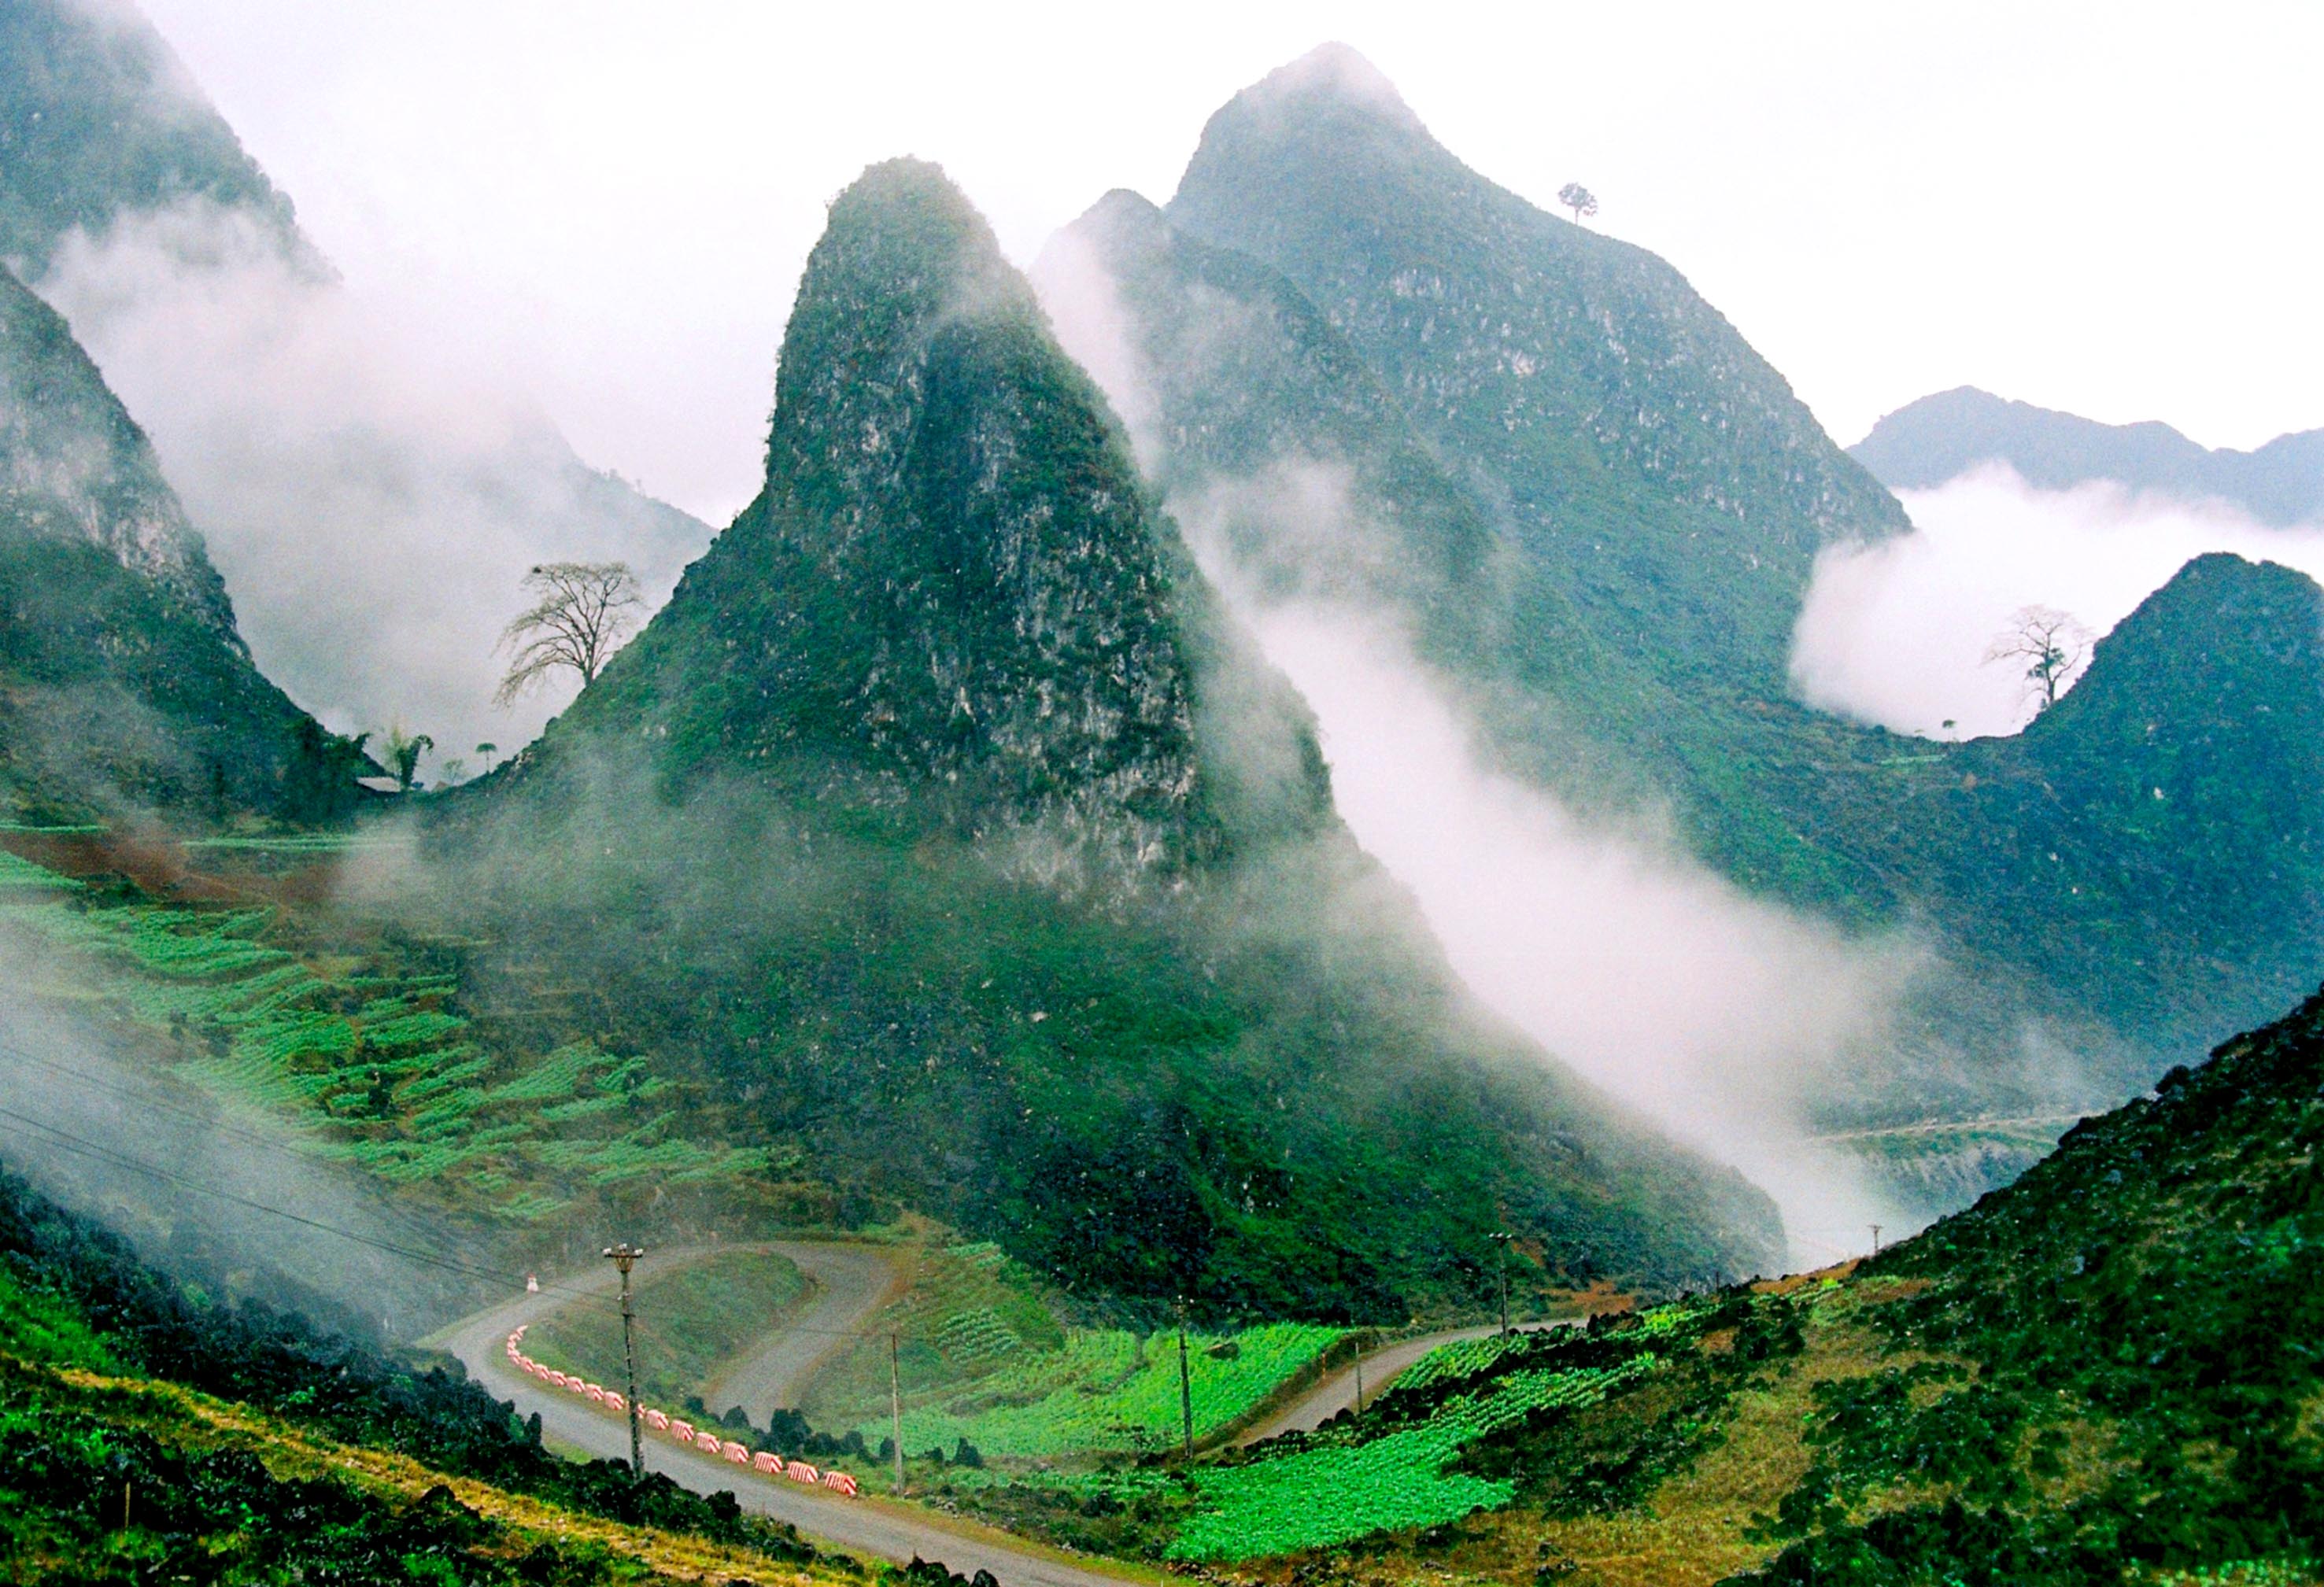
point(1347, 1482)
point(690, 1322)
point(1110, 1391)
point(374, 1061)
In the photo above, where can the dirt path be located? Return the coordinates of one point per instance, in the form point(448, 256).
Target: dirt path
point(869, 1526)
point(1337, 1392)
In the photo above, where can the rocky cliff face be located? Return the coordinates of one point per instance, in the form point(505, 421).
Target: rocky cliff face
point(1632, 439)
point(74, 465)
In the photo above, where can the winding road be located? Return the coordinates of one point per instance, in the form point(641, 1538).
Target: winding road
point(851, 1283)
point(867, 1525)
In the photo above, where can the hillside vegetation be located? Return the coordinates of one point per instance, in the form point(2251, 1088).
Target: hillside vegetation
point(124, 683)
point(2107, 1373)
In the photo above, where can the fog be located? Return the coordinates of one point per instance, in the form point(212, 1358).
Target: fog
point(371, 487)
point(90, 1117)
point(1896, 633)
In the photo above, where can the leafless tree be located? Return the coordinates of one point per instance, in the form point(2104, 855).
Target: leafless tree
point(584, 611)
point(2053, 646)
point(1578, 198)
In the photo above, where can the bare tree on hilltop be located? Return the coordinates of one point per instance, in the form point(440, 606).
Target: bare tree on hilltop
point(2053, 646)
point(584, 611)
point(1578, 198)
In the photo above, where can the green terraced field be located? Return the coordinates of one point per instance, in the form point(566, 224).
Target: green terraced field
point(1110, 1391)
point(374, 1061)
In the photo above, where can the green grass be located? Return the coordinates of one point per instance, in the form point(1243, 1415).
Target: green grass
point(690, 1323)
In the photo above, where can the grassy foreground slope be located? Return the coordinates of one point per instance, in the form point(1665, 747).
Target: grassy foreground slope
point(944, 822)
point(2108, 1372)
point(148, 1433)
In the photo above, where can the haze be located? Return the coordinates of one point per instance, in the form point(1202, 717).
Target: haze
point(614, 202)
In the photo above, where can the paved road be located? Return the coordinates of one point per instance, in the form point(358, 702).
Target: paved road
point(859, 1525)
point(851, 1282)
point(1337, 1392)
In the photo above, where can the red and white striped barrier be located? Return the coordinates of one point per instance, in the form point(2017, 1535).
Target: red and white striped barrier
point(704, 1439)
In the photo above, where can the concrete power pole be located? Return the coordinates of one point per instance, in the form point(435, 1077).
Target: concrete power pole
point(625, 1257)
point(1185, 1383)
point(896, 1404)
point(1502, 1242)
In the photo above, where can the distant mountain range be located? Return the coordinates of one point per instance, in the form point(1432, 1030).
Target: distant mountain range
point(1924, 444)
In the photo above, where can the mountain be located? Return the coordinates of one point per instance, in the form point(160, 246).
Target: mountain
point(2106, 1373)
point(1941, 438)
point(124, 682)
point(1376, 384)
point(1645, 458)
point(373, 503)
point(944, 821)
point(149, 1429)
point(99, 118)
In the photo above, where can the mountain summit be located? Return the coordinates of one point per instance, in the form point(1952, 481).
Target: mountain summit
point(945, 824)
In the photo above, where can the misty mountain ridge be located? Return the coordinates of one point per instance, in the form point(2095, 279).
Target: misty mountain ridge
point(124, 681)
point(1376, 383)
point(1938, 438)
point(375, 539)
point(944, 819)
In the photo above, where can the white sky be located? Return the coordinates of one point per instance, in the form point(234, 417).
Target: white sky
point(2108, 208)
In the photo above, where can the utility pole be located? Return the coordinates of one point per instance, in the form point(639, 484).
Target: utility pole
point(1876, 1239)
point(624, 1256)
point(1502, 1240)
point(896, 1404)
point(1360, 1381)
point(1186, 1382)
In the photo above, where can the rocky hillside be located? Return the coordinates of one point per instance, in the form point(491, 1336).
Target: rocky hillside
point(1940, 437)
point(123, 680)
point(943, 819)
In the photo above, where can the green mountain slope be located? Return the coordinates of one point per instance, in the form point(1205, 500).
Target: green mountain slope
point(2106, 1373)
point(1939, 438)
point(943, 818)
point(1386, 384)
point(123, 680)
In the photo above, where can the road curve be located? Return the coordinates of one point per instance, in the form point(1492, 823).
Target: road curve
point(1337, 1392)
point(858, 1525)
point(851, 1282)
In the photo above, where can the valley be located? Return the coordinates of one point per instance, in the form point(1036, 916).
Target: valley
point(1243, 916)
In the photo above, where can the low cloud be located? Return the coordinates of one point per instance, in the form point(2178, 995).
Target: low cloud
point(1896, 633)
point(369, 485)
